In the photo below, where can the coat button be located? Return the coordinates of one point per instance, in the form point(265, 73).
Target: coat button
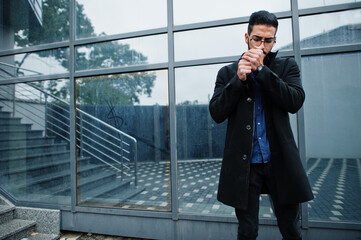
point(244, 157)
point(248, 127)
point(249, 99)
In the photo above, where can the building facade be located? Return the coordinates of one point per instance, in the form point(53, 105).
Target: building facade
point(104, 110)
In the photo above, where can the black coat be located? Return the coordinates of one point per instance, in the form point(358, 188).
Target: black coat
point(234, 100)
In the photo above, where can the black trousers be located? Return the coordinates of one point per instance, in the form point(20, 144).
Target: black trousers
point(287, 215)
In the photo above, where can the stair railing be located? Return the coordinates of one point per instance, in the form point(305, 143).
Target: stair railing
point(95, 137)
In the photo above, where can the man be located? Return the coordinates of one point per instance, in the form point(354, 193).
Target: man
point(255, 95)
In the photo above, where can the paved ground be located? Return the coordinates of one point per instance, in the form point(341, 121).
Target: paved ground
point(336, 184)
point(85, 236)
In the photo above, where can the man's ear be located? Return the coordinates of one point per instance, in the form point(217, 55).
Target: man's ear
point(246, 38)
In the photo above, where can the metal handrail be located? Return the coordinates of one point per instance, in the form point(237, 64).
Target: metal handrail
point(86, 114)
point(121, 135)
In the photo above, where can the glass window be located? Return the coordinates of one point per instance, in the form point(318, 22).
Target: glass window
point(128, 52)
point(332, 29)
point(200, 144)
point(23, 25)
point(223, 41)
point(190, 11)
point(319, 3)
point(210, 42)
point(34, 141)
point(95, 18)
point(35, 63)
point(123, 140)
point(199, 141)
point(332, 123)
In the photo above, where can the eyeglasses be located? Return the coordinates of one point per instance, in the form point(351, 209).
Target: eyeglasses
point(268, 43)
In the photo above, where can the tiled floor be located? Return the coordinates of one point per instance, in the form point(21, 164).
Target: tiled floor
point(336, 184)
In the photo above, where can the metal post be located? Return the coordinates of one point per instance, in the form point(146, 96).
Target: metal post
point(14, 102)
point(300, 114)
point(210, 135)
point(172, 112)
point(46, 114)
point(72, 110)
point(184, 132)
point(80, 126)
point(121, 158)
point(135, 163)
point(156, 124)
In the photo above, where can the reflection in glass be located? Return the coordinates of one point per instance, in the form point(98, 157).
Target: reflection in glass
point(320, 3)
point(135, 51)
point(190, 11)
point(123, 141)
point(113, 16)
point(223, 41)
point(340, 28)
point(284, 35)
point(210, 42)
point(200, 144)
point(24, 26)
point(332, 123)
point(34, 141)
point(35, 63)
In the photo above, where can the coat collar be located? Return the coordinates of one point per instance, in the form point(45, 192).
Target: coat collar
point(270, 57)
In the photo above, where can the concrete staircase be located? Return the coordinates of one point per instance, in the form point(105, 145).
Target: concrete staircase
point(36, 168)
point(28, 223)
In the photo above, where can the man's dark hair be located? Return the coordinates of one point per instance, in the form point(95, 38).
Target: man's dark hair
point(262, 18)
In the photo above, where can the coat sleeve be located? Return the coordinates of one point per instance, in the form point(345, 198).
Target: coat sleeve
point(227, 93)
point(286, 92)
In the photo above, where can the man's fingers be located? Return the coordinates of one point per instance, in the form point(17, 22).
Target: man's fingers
point(244, 68)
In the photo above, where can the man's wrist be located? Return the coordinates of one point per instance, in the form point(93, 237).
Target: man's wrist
point(259, 68)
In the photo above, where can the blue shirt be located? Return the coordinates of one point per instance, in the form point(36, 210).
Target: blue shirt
point(261, 151)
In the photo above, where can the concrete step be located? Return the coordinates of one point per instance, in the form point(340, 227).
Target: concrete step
point(31, 160)
point(24, 142)
point(57, 183)
point(28, 223)
point(5, 120)
point(48, 167)
point(34, 170)
point(95, 180)
point(121, 196)
point(6, 213)
point(13, 127)
point(4, 114)
point(31, 150)
point(88, 183)
point(4, 134)
point(16, 229)
point(97, 193)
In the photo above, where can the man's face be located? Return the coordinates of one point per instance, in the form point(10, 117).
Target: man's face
point(262, 37)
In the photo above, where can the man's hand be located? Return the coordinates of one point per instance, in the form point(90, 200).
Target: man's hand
point(244, 68)
point(255, 57)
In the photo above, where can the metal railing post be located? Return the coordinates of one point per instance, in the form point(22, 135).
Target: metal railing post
point(122, 158)
point(14, 102)
point(46, 114)
point(81, 137)
point(135, 163)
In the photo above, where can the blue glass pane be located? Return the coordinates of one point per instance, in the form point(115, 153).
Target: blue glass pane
point(35, 141)
point(332, 123)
